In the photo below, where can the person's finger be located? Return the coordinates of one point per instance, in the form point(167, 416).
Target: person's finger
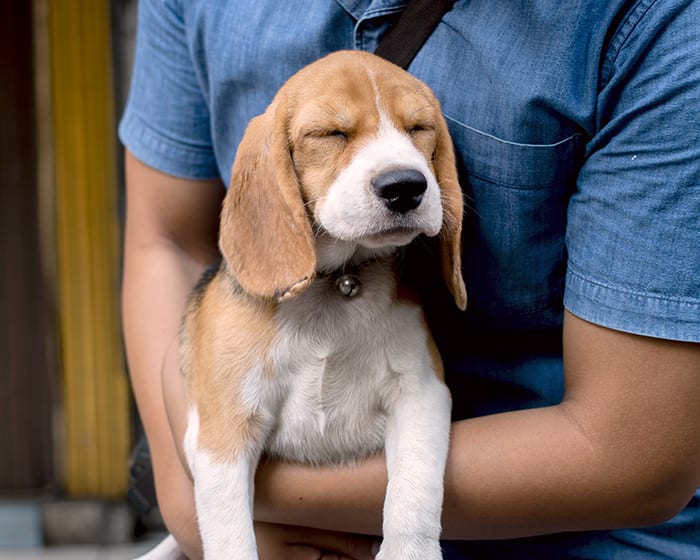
point(301, 543)
point(345, 546)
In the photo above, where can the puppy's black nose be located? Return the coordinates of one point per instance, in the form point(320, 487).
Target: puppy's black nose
point(401, 189)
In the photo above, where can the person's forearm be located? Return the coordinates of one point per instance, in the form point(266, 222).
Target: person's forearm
point(510, 475)
point(495, 469)
point(534, 472)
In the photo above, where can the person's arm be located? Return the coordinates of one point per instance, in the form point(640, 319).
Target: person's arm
point(170, 239)
point(621, 450)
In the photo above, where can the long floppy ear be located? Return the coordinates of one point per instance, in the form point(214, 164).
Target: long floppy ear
point(453, 209)
point(265, 235)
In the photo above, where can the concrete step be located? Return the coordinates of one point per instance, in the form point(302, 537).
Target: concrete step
point(30, 524)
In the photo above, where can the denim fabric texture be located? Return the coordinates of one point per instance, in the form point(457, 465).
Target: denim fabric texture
point(577, 130)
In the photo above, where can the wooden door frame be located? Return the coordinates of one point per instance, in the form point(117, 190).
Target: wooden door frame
point(94, 385)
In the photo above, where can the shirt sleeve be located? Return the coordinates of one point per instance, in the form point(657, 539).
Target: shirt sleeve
point(166, 121)
point(633, 234)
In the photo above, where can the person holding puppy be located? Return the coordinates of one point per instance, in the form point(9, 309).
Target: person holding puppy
point(575, 371)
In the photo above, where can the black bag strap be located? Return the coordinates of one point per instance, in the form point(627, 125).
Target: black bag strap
point(416, 23)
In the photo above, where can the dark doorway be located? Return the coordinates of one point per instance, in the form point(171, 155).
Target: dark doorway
point(27, 364)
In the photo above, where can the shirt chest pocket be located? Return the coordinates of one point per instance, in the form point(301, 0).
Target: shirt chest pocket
point(516, 198)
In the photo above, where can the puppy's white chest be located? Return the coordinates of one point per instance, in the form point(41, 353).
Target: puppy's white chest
point(338, 361)
point(330, 412)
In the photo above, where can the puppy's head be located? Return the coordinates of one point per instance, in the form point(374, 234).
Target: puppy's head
point(351, 159)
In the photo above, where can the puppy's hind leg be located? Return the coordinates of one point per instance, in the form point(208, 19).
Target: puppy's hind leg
point(223, 488)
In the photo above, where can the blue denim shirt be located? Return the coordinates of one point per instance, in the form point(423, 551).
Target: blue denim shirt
point(577, 130)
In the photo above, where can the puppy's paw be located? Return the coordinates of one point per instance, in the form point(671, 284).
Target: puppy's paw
point(409, 548)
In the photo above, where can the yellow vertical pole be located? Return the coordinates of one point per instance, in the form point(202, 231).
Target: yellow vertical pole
point(94, 384)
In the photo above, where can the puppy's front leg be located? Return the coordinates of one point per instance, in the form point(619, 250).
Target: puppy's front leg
point(417, 440)
point(223, 488)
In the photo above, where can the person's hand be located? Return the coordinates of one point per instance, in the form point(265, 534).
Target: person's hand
point(286, 542)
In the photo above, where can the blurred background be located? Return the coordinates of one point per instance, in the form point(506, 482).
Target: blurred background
point(67, 421)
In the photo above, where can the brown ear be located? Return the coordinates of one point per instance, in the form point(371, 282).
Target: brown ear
point(265, 234)
point(453, 208)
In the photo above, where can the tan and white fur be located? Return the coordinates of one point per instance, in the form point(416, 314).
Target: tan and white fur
point(275, 360)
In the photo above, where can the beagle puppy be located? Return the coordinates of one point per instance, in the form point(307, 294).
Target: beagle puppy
point(302, 345)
